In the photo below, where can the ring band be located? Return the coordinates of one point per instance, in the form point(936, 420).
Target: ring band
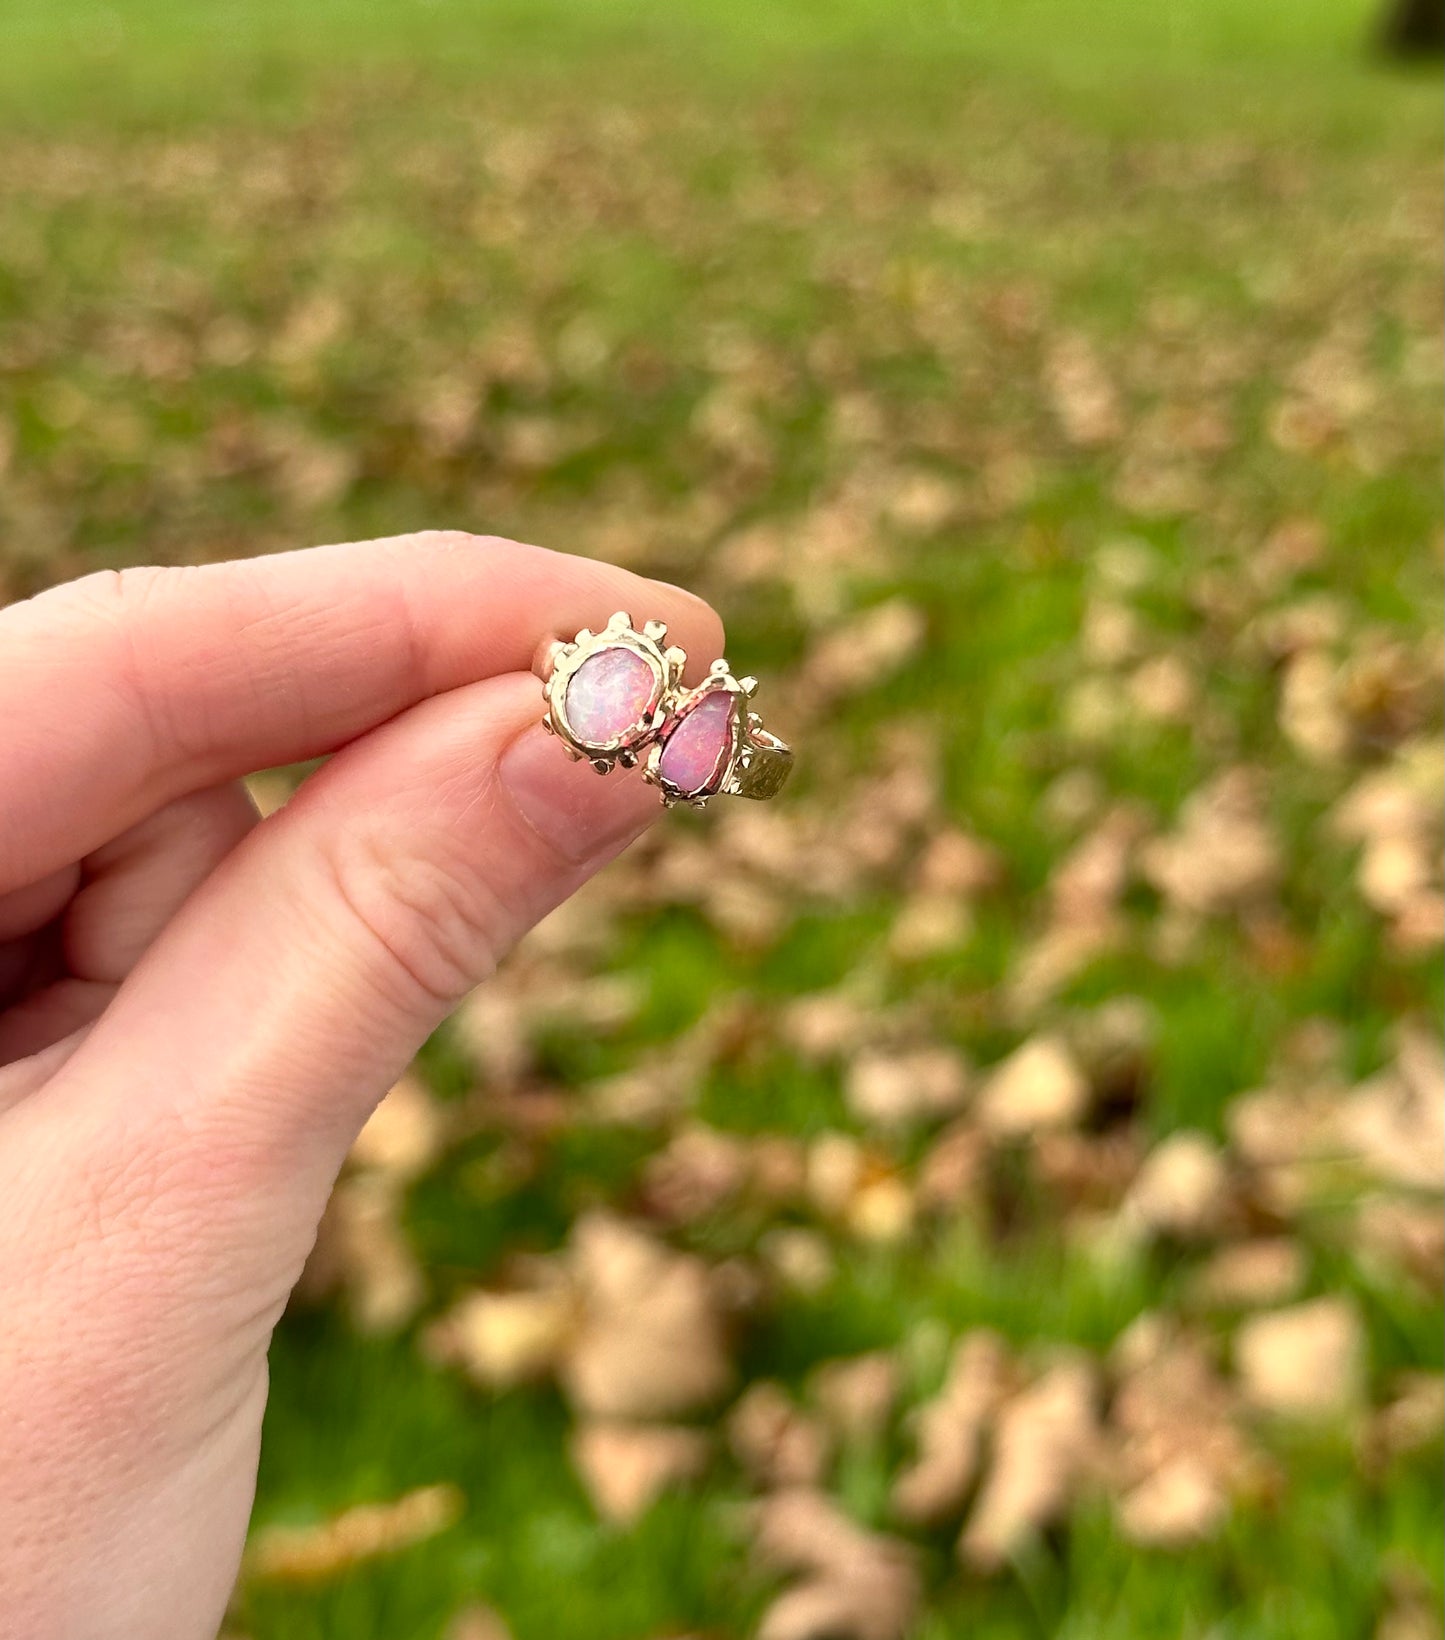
point(764, 767)
point(616, 696)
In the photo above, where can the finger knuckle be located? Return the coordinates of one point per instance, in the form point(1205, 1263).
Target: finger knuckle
point(429, 919)
point(111, 609)
point(114, 595)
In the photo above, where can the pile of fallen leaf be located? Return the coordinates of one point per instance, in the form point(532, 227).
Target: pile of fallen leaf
point(1186, 1418)
point(1172, 1426)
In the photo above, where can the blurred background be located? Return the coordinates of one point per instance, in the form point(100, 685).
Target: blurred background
point(994, 1190)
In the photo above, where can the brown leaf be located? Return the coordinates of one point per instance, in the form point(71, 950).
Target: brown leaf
point(1411, 1421)
point(477, 1622)
point(1093, 876)
point(1044, 1446)
point(956, 862)
point(1395, 1122)
point(1311, 712)
point(856, 1395)
point(1252, 1274)
point(951, 1173)
point(1181, 1502)
point(1412, 1617)
point(1082, 395)
point(865, 650)
point(826, 1024)
point(491, 1027)
point(304, 1553)
point(837, 1166)
point(1392, 1235)
point(950, 1430)
point(1222, 855)
point(1181, 1190)
point(882, 1210)
point(700, 1170)
point(801, 1259)
point(626, 1467)
point(895, 1088)
point(854, 1584)
point(504, 1339)
point(402, 1136)
point(929, 924)
point(774, 1441)
point(1164, 690)
point(1039, 1085)
point(1389, 1129)
point(1178, 1457)
point(649, 1339)
point(1306, 1362)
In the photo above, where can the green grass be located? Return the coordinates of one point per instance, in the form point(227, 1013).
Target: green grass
point(247, 251)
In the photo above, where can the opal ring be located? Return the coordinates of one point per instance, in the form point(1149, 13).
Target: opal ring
point(616, 696)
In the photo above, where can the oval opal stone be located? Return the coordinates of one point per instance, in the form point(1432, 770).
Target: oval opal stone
point(696, 749)
point(608, 695)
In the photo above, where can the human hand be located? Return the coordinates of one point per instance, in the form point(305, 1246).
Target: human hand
point(200, 1010)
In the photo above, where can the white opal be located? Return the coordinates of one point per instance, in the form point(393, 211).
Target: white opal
point(608, 695)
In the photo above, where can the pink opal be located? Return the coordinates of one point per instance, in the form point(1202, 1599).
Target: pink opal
point(608, 695)
point(695, 750)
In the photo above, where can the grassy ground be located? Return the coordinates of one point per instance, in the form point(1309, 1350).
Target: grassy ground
point(1098, 347)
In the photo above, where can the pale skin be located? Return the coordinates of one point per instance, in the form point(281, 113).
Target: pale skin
point(198, 1010)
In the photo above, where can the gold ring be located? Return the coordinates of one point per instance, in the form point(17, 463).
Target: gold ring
point(616, 696)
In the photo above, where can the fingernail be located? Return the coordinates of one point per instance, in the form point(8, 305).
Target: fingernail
point(579, 813)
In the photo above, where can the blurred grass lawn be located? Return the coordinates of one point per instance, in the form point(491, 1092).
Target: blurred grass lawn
point(975, 290)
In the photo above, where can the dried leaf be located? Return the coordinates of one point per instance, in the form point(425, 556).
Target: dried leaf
point(1178, 1456)
point(1045, 1444)
point(854, 1584)
point(828, 1024)
point(1252, 1275)
point(1179, 1503)
point(865, 650)
point(477, 1622)
point(951, 1174)
point(774, 1441)
point(1411, 1421)
point(928, 924)
point(950, 1430)
point(1038, 1086)
point(503, 1339)
point(1222, 855)
point(626, 1467)
point(304, 1553)
point(801, 1259)
point(856, 1395)
point(1182, 1188)
point(892, 1089)
point(1083, 397)
point(403, 1135)
point(1307, 1361)
point(649, 1338)
point(700, 1170)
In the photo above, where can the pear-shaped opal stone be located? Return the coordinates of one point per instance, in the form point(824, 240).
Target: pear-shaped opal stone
point(607, 695)
point(694, 753)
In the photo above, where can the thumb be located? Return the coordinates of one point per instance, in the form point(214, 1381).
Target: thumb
point(253, 1039)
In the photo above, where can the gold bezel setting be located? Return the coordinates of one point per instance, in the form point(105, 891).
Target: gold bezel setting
point(730, 777)
point(752, 763)
point(665, 663)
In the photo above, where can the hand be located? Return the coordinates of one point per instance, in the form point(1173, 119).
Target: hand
point(200, 1010)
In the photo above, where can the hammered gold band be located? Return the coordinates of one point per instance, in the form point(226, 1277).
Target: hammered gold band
point(763, 768)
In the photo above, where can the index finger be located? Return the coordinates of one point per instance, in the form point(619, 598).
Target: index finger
point(122, 691)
